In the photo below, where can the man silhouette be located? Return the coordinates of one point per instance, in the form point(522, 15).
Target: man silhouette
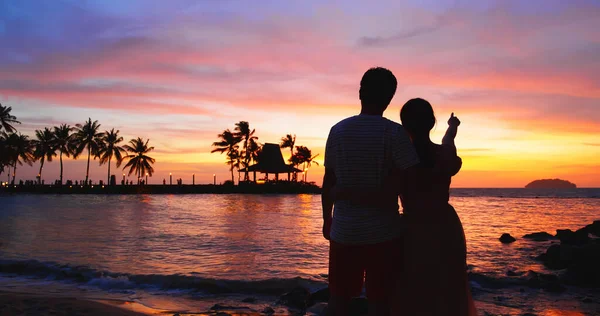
point(361, 152)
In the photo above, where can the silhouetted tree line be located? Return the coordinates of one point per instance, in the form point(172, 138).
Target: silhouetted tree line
point(242, 149)
point(17, 149)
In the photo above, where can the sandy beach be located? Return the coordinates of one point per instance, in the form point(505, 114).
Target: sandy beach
point(21, 304)
point(14, 304)
point(26, 304)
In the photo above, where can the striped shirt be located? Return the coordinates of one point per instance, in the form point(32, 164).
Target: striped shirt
point(361, 151)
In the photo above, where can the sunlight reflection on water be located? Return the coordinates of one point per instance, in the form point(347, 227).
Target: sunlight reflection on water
point(246, 236)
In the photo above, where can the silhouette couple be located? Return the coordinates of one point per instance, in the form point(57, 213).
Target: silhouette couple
point(410, 264)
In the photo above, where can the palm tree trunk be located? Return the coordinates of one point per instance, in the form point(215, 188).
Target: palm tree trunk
point(304, 172)
point(87, 172)
point(246, 178)
point(245, 160)
point(40, 173)
point(295, 177)
point(232, 178)
point(61, 168)
point(14, 174)
point(108, 178)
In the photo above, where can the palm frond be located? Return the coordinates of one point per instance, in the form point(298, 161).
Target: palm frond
point(6, 119)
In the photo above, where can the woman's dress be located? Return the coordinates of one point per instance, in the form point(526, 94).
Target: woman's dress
point(434, 279)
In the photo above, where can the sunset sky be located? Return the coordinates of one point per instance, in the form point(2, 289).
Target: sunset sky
point(523, 77)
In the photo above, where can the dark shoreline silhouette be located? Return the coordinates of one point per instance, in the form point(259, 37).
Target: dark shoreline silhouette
point(249, 188)
point(244, 152)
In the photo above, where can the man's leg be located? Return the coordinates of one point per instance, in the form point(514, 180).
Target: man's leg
point(379, 308)
point(346, 274)
point(338, 306)
point(383, 269)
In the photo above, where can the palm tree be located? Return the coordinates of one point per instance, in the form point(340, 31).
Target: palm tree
point(6, 119)
point(288, 142)
point(139, 162)
point(44, 148)
point(64, 142)
point(228, 144)
point(110, 148)
point(254, 148)
point(20, 150)
point(243, 132)
point(4, 155)
point(304, 156)
point(87, 136)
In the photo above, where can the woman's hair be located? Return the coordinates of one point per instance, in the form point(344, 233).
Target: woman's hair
point(418, 119)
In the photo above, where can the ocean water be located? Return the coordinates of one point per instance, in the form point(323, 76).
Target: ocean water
point(261, 245)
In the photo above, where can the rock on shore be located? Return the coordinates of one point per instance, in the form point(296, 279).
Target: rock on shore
point(539, 236)
point(577, 254)
point(507, 238)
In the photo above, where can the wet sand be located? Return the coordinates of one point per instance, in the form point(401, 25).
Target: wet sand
point(17, 304)
point(28, 304)
point(20, 304)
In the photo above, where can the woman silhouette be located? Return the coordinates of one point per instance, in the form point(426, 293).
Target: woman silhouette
point(434, 279)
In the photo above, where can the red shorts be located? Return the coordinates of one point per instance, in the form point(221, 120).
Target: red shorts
point(377, 265)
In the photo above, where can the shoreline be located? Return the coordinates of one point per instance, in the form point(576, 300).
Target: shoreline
point(52, 303)
point(25, 304)
point(17, 303)
point(251, 188)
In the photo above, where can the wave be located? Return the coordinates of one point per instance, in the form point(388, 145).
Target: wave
point(112, 281)
point(107, 280)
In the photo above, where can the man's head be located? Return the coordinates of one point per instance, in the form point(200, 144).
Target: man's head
point(377, 88)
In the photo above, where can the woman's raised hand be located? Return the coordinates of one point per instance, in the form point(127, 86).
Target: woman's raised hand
point(453, 121)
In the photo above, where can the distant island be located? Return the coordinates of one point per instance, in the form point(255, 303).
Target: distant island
point(551, 184)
